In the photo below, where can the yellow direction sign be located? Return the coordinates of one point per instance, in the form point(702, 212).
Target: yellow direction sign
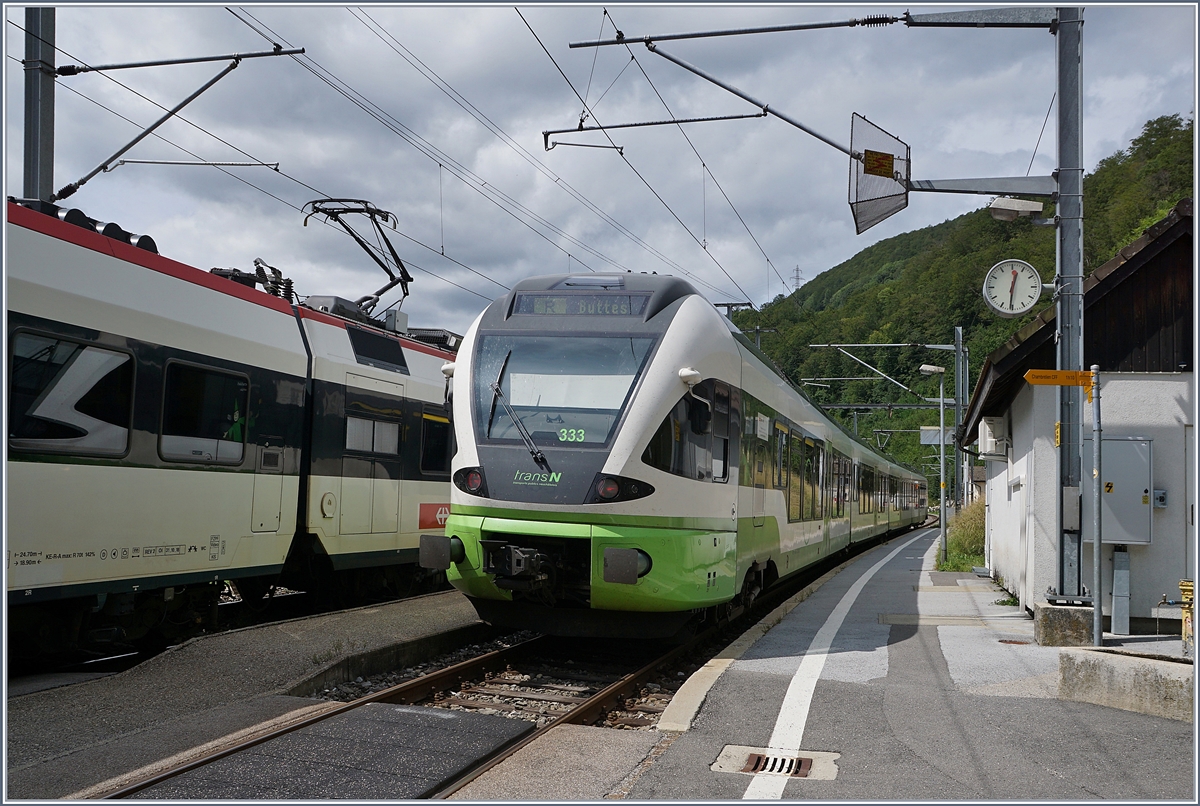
point(1061, 377)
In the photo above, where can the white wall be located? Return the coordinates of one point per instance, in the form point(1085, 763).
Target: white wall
point(1022, 492)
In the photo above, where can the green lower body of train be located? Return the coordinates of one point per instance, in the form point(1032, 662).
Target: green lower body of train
point(621, 575)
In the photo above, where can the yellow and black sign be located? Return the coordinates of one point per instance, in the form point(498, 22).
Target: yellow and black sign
point(877, 163)
point(1108, 486)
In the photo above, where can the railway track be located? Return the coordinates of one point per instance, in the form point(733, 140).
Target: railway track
point(544, 680)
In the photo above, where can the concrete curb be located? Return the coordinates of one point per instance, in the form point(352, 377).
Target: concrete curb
point(1153, 685)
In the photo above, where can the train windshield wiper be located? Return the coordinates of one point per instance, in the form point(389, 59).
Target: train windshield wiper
point(534, 451)
point(496, 391)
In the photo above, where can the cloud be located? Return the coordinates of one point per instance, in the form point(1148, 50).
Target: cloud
point(968, 102)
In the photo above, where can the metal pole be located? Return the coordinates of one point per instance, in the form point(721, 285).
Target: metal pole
point(959, 385)
point(745, 97)
point(67, 190)
point(1097, 433)
point(1069, 316)
point(942, 458)
point(39, 103)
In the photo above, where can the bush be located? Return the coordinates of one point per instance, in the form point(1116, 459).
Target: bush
point(965, 539)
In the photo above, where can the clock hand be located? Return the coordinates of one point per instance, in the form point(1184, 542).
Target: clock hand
point(1012, 289)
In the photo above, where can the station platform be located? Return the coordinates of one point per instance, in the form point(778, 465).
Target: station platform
point(897, 682)
point(87, 739)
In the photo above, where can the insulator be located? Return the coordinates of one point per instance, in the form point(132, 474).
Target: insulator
point(876, 19)
point(287, 289)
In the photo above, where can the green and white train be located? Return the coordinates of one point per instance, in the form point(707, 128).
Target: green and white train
point(629, 462)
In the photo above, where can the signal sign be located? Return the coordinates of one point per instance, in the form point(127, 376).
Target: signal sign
point(878, 163)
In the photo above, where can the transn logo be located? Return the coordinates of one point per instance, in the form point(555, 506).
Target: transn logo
point(433, 516)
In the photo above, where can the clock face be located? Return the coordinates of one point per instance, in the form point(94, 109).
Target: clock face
point(1012, 287)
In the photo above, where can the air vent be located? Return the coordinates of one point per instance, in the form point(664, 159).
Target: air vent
point(777, 765)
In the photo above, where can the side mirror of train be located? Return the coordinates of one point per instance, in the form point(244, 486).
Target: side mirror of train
point(448, 371)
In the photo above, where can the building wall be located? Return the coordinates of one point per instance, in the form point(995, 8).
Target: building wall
point(1022, 491)
point(1158, 406)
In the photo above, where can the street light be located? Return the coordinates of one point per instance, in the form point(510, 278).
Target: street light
point(930, 369)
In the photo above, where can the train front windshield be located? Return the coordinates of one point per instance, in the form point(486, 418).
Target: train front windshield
point(567, 391)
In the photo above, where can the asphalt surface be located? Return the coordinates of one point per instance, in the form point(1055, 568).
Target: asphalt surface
point(63, 741)
point(929, 690)
point(375, 752)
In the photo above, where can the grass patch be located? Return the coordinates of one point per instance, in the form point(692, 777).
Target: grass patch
point(1008, 601)
point(965, 539)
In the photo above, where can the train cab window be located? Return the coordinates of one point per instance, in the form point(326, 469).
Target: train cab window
point(372, 436)
point(683, 443)
point(205, 415)
point(437, 437)
point(68, 397)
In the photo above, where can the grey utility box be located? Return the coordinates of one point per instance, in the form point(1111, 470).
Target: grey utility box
point(1126, 490)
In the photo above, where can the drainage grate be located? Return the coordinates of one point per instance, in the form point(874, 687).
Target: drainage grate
point(1013, 641)
point(779, 765)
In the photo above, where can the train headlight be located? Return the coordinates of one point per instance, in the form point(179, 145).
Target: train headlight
point(644, 563)
point(471, 480)
point(608, 488)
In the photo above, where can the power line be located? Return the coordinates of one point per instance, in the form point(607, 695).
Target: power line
point(476, 183)
point(636, 173)
point(703, 162)
point(244, 153)
point(489, 124)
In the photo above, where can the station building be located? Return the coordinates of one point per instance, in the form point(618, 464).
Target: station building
point(1138, 327)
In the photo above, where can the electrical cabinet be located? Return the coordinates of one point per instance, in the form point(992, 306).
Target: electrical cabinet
point(1126, 488)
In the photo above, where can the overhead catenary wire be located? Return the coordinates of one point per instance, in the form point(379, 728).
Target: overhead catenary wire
point(703, 163)
point(423, 270)
point(636, 172)
point(244, 181)
point(476, 183)
point(380, 31)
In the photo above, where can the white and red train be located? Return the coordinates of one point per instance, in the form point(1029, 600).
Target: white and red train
point(171, 428)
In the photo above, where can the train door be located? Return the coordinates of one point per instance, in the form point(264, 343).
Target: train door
point(371, 465)
point(268, 489)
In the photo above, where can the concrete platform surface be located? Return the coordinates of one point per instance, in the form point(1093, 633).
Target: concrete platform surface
point(571, 762)
point(913, 685)
point(376, 752)
point(64, 740)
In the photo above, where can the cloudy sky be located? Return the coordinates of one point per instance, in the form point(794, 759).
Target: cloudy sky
point(436, 114)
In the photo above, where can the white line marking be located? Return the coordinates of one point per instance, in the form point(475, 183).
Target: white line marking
point(793, 713)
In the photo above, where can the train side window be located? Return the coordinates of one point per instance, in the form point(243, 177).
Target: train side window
point(436, 439)
point(812, 479)
point(68, 397)
point(721, 431)
point(795, 468)
point(205, 415)
point(359, 434)
point(372, 436)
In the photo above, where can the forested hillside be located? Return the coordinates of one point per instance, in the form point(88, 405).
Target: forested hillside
point(915, 287)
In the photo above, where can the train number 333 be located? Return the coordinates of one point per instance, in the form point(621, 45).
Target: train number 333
point(570, 435)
